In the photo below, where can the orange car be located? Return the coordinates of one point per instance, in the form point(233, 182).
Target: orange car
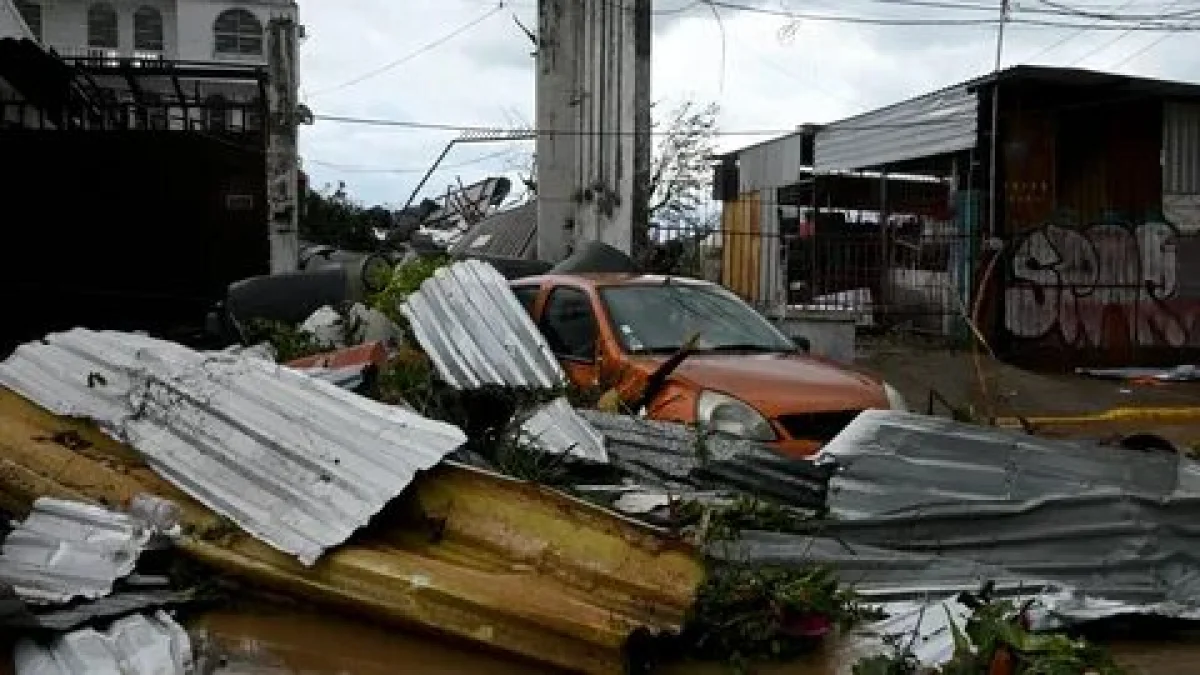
point(742, 377)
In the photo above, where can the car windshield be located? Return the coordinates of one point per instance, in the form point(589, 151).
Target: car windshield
point(659, 318)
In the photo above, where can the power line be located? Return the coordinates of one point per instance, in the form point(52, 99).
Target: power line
point(527, 135)
point(1111, 42)
point(1068, 37)
point(1143, 50)
point(350, 168)
point(413, 54)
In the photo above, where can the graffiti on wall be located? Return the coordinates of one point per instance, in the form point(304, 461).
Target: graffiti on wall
point(1100, 287)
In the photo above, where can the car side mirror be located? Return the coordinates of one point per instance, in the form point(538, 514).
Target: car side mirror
point(803, 344)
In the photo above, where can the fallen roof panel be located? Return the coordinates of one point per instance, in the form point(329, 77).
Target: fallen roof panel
point(297, 462)
point(558, 429)
point(65, 550)
point(139, 644)
point(477, 333)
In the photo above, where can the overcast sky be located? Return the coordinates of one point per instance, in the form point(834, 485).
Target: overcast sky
point(763, 76)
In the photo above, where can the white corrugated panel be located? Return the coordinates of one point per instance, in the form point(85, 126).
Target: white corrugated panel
point(135, 645)
point(559, 430)
point(934, 124)
point(66, 550)
point(295, 461)
point(477, 333)
point(1181, 148)
point(772, 164)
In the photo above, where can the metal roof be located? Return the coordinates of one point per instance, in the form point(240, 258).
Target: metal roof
point(774, 163)
point(12, 24)
point(938, 123)
point(477, 333)
point(559, 430)
point(136, 644)
point(667, 455)
point(295, 461)
point(1181, 148)
point(508, 234)
point(65, 550)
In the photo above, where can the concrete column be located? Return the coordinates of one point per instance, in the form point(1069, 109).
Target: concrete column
point(557, 124)
point(282, 156)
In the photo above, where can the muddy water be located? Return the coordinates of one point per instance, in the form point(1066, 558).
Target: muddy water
point(275, 642)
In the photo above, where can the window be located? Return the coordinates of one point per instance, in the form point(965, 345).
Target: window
point(239, 32)
point(102, 26)
point(31, 12)
point(569, 325)
point(527, 295)
point(148, 29)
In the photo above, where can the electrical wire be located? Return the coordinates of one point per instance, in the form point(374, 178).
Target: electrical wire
point(1064, 40)
point(1106, 16)
point(1110, 43)
point(349, 168)
point(1159, 40)
point(430, 46)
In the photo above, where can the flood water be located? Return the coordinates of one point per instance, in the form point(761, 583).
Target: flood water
point(269, 641)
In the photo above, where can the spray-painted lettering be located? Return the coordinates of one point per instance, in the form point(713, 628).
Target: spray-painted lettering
point(1096, 286)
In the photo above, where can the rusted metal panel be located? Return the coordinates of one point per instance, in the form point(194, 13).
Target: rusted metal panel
point(938, 123)
point(741, 244)
point(297, 461)
point(505, 564)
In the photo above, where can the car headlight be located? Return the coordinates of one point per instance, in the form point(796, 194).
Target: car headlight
point(895, 398)
point(726, 414)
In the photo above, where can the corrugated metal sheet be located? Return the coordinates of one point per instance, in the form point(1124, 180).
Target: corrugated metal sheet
point(294, 461)
point(508, 234)
point(500, 563)
point(135, 645)
point(893, 463)
point(937, 123)
point(1181, 148)
point(69, 617)
point(559, 430)
point(65, 550)
point(773, 164)
point(671, 456)
point(477, 333)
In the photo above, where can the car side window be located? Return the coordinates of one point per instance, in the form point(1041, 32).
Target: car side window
point(569, 324)
point(527, 295)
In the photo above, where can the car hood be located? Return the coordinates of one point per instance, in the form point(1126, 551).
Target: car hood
point(778, 384)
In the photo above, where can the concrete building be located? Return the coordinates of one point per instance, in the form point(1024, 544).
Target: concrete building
point(217, 31)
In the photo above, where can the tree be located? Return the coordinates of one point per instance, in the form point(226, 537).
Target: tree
point(331, 217)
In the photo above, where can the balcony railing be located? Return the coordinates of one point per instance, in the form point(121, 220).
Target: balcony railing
point(109, 57)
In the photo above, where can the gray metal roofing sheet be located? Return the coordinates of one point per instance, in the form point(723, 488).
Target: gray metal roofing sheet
point(559, 430)
point(508, 234)
point(772, 164)
point(663, 454)
point(937, 123)
point(477, 333)
point(65, 550)
point(136, 645)
point(295, 461)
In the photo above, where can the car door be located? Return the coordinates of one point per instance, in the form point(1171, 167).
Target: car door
point(569, 324)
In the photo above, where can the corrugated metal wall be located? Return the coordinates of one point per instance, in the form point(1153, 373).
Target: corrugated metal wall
point(1181, 148)
point(741, 244)
point(941, 122)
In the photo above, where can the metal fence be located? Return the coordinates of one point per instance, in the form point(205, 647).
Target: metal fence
point(916, 275)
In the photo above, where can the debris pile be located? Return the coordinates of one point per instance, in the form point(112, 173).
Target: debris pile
point(425, 461)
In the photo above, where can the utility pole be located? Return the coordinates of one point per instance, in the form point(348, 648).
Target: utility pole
point(996, 119)
point(283, 200)
point(593, 131)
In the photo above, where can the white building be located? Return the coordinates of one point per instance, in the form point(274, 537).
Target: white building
point(216, 31)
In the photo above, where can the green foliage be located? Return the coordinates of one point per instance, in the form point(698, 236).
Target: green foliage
point(725, 523)
point(406, 279)
point(747, 613)
point(331, 217)
point(289, 341)
point(995, 640)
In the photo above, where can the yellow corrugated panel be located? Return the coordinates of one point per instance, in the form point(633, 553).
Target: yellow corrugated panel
point(741, 243)
point(503, 563)
point(1180, 425)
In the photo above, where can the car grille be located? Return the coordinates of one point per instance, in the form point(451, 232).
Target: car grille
point(822, 426)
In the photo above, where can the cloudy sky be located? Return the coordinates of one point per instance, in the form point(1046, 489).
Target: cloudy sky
point(767, 72)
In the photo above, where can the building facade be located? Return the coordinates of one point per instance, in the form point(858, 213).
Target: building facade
point(216, 31)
